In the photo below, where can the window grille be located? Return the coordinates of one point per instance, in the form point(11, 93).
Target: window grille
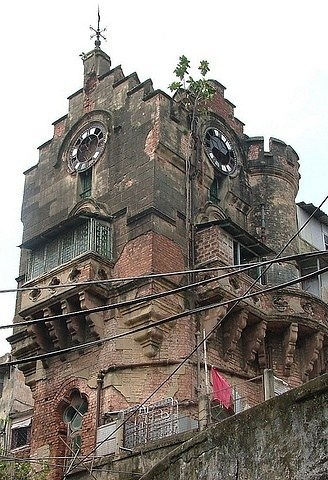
point(151, 422)
point(20, 437)
point(90, 236)
point(73, 419)
point(280, 386)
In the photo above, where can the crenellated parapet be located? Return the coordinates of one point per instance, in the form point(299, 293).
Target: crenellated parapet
point(280, 161)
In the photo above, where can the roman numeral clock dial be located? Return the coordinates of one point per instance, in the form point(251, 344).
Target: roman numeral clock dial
point(219, 151)
point(86, 148)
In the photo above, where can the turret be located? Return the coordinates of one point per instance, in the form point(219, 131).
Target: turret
point(274, 179)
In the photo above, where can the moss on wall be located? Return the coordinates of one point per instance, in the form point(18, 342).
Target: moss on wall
point(284, 438)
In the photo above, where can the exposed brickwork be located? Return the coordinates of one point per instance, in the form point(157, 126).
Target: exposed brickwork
point(139, 192)
point(59, 128)
point(149, 253)
point(225, 109)
point(213, 244)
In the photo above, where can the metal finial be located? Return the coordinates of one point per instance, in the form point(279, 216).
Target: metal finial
point(98, 33)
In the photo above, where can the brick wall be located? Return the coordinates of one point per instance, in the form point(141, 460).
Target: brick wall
point(213, 244)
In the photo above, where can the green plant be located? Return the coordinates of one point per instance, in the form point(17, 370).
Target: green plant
point(194, 93)
point(17, 469)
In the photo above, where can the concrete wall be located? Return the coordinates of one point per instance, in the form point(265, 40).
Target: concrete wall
point(284, 438)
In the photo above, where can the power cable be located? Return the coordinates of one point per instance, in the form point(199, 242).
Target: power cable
point(124, 279)
point(235, 302)
point(165, 320)
point(155, 296)
point(219, 322)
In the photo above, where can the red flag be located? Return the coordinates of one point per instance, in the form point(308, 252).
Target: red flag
point(221, 389)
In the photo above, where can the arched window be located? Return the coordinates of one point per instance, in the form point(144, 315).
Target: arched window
point(73, 417)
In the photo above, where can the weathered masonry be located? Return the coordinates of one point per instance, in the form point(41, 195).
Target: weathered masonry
point(107, 201)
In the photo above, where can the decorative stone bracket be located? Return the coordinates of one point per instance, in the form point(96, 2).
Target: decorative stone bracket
point(60, 333)
point(232, 330)
point(212, 316)
point(144, 314)
point(253, 336)
point(313, 346)
point(289, 346)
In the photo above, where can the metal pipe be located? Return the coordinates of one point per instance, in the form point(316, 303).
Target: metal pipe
point(100, 382)
point(263, 225)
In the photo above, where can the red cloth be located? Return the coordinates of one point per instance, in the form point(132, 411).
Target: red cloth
point(221, 389)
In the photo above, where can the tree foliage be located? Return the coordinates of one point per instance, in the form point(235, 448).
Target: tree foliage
point(194, 93)
point(15, 469)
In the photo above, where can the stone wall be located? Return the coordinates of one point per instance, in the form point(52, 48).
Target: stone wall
point(283, 438)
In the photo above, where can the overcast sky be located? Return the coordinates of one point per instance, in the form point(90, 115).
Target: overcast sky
point(270, 55)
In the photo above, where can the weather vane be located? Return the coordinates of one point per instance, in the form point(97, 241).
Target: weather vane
point(98, 33)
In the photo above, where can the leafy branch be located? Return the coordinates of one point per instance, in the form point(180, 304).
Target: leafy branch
point(194, 93)
point(20, 470)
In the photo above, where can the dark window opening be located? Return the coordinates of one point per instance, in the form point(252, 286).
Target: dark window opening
point(214, 191)
point(86, 183)
point(325, 239)
point(243, 255)
point(20, 437)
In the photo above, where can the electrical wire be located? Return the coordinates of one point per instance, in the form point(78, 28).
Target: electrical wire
point(165, 320)
point(211, 331)
point(234, 302)
point(155, 296)
point(124, 279)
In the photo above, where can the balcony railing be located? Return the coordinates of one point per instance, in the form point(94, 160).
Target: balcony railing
point(90, 236)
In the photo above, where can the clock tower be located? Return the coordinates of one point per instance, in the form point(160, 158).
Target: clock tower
point(107, 320)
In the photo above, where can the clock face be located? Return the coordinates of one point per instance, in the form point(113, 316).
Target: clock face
point(219, 151)
point(87, 148)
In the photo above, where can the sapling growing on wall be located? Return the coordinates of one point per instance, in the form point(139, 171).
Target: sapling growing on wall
point(194, 93)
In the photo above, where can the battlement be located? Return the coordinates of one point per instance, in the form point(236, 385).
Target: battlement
point(224, 108)
point(281, 159)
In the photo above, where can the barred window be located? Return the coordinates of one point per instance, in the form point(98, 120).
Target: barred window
point(20, 437)
point(90, 236)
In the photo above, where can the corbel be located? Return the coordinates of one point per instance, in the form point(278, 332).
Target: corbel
point(289, 345)
point(253, 336)
point(57, 331)
point(93, 320)
point(75, 324)
point(212, 316)
point(313, 346)
point(232, 330)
